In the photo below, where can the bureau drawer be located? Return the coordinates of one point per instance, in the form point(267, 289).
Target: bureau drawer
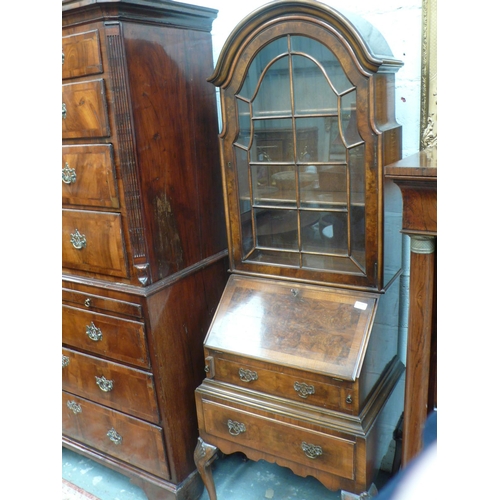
point(85, 112)
point(93, 241)
point(97, 303)
point(88, 176)
point(318, 450)
point(120, 339)
point(121, 436)
point(123, 388)
point(81, 54)
point(296, 387)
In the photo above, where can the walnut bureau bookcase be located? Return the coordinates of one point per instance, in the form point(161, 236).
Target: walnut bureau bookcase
point(301, 357)
point(144, 249)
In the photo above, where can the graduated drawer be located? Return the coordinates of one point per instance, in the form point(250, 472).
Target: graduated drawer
point(314, 449)
point(104, 304)
point(88, 176)
point(334, 395)
point(120, 339)
point(81, 54)
point(93, 241)
point(120, 387)
point(84, 110)
point(114, 433)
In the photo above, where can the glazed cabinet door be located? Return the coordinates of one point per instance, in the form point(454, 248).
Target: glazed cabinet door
point(300, 159)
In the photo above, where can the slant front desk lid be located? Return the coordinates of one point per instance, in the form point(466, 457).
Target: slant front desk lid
point(314, 328)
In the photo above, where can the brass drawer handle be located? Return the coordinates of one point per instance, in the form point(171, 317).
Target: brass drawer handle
point(247, 375)
point(68, 174)
point(78, 240)
point(64, 111)
point(65, 361)
point(93, 333)
point(235, 428)
point(303, 390)
point(74, 407)
point(114, 436)
point(311, 450)
point(87, 303)
point(348, 399)
point(104, 384)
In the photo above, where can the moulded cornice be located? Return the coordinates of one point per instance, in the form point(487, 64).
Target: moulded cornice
point(280, 10)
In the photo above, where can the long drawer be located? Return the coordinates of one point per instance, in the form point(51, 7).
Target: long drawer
point(88, 176)
point(93, 241)
point(328, 393)
point(318, 450)
point(121, 436)
point(102, 304)
point(120, 387)
point(120, 339)
point(84, 110)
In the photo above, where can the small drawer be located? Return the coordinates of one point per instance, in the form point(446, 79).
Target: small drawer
point(120, 387)
point(119, 339)
point(296, 387)
point(81, 54)
point(88, 176)
point(114, 433)
point(318, 450)
point(93, 241)
point(94, 302)
point(84, 110)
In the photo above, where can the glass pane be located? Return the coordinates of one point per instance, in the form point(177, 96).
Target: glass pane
point(326, 60)
point(273, 95)
point(330, 263)
point(309, 81)
point(243, 123)
point(327, 235)
point(290, 259)
point(312, 140)
point(329, 190)
point(357, 174)
point(262, 59)
point(348, 119)
point(276, 228)
point(241, 156)
point(274, 185)
point(337, 149)
point(272, 141)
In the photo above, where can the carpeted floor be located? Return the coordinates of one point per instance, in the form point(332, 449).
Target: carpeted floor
point(73, 492)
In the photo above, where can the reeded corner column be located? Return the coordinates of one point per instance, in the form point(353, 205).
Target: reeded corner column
point(420, 325)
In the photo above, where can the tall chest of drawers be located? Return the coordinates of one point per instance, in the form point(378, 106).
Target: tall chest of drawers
point(144, 245)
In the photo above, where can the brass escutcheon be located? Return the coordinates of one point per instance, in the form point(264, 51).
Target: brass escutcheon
point(303, 390)
point(235, 428)
point(311, 450)
point(74, 407)
point(104, 384)
point(247, 375)
point(114, 436)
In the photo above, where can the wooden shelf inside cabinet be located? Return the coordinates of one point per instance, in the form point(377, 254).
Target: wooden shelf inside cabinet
point(416, 176)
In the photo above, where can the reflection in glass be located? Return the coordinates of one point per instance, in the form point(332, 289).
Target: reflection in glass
point(276, 228)
point(244, 123)
point(272, 141)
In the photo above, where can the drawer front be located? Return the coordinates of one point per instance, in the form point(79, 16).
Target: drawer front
point(93, 241)
point(85, 112)
point(81, 54)
point(88, 176)
point(104, 304)
point(120, 387)
point(295, 387)
point(121, 436)
point(318, 450)
point(119, 339)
